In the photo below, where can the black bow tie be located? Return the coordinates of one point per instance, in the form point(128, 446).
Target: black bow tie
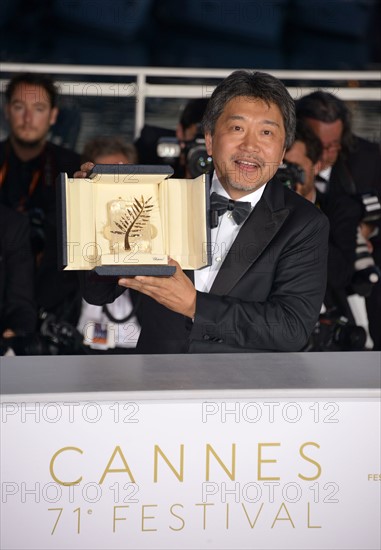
point(219, 205)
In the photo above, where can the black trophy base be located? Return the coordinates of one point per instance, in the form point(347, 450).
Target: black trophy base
point(134, 270)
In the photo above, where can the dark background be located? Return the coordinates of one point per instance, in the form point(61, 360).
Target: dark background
point(257, 34)
point(281, 34)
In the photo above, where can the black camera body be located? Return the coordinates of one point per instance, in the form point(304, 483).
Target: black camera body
point(366, 273)
point(333, 332)
point(194, 153)
point(291, 174)
point(371, 207)
point(54, 338)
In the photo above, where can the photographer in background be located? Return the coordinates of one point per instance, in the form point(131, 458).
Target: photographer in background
point(184, 149)
point(343, 212)
point(350, 165)
point(111, 328)
point(18, 314)
point(29, 165)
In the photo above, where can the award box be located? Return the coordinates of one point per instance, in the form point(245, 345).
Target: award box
point(126, 220)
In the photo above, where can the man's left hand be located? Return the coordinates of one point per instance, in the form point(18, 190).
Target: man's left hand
point(177, 292)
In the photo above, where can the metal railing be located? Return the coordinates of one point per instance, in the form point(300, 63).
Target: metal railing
point(347, 85)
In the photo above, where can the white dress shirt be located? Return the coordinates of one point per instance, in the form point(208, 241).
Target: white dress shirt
point(325, 174)
point(222, 237)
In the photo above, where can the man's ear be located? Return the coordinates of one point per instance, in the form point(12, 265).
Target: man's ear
point(209, 143)
point(53, 116)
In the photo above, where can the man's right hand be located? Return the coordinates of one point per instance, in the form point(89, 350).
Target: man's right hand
point(84, 171)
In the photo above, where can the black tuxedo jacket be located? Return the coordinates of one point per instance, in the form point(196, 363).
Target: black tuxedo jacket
point(344, 215)
point(266, 296)
point(357, 171)
point(364, 165)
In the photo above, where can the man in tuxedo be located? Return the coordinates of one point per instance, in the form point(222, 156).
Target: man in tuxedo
point(349, 165)
point(265, 286)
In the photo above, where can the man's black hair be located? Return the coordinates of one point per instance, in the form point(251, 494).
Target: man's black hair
point(314, 147)
point(109, 145)
point(193, 112)
point(33, 79)
point(251, 84)
point(326, 107)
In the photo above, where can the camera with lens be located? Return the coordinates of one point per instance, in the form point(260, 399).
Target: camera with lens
point(290, 174)
point(196, 159)
point(371, 207)
point(333, 332)
point(366, 272)
point(54, 338)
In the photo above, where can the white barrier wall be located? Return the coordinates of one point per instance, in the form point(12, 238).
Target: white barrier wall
point(266, 451)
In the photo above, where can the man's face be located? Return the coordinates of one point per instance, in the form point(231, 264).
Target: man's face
point(248, 145)
point(330, 134)
point(298, 155)
point(30, 114)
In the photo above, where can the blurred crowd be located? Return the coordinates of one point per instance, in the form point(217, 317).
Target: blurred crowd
point(41, 307)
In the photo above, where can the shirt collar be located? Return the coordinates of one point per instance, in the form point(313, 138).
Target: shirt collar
point(253, 197)
point(326, 173)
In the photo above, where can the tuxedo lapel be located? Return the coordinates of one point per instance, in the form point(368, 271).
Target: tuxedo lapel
point(253, 238)
point(340, 176)
point(190, 275)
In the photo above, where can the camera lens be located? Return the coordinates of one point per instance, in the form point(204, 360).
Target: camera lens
point(168, 148)
point(290, 174)
point(198, 161)
point(351, 337)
